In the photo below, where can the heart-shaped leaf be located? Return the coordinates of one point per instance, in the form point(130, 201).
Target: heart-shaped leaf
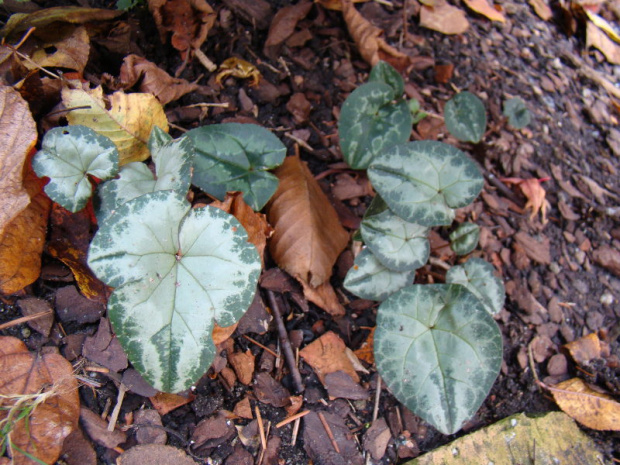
point(370, 121)
point(176, 270)
point(517, 113)
point(236, 157)
point(464, 239)
point(477, 276)
point(173, 164)
point(386, 73)
point(465, 117)
point(67, 156)
point(369, 279)
point(439, 351)
point(423, 181)
point(396, 243)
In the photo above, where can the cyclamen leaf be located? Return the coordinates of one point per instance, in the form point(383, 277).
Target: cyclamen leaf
point(177, 271)
point(67, 156)
point(477, 276)
point(465, 117)
point(173, 168)
point(370, 122)
point(384, 72)
point(465, 238)
point(517, 113)
point(236, 157)
point(369, 279)
point(424, 181)
point(439, 351)
point(396, 243)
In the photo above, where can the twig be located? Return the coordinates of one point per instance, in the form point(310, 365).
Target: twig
point(286, 421)
point(492, 179)
point(286, 343)
point(295, 431)
point(375, 411)
point(24, 319)
point(261, 428)
point(204, 60)
point(117, 408)
point(328, 430)
point(264, 347)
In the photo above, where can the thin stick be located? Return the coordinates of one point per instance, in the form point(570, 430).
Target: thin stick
point(117, 408)
point(329, 432)
point(24, 319)
point(286, 343)
point(295, 431)
point(375, 411)
point(261, 428)
point(286, 421)
point(265, 348)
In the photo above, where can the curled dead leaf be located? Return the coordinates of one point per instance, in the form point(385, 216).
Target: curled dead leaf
point(283, 26)
point(535, 194)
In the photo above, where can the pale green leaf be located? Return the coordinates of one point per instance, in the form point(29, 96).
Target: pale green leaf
point(477, 276)
point(177, 271)
point(439, 351)
point(465, 238)
point(424, 181)
point(517, 113)
point(68, 156)
point(465, 117)
point(236, 157)
point(371, 121)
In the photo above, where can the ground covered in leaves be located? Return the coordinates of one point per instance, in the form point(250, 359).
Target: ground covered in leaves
point(549, 216)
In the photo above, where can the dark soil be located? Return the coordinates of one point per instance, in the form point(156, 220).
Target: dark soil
point(549, 301)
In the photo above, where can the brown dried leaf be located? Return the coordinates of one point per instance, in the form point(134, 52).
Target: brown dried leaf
point(484, 8)
point(165, 403)
point(589, 407)
point(71, 47)
point(97, 429)
point(370, 44)
point(595, 37)
point(335, 5)
point(325, 297)
point(541, 7)
point(153, 79)
point(366, 350)
point(585, 349)
point(23, 239)
point(327, 355)
point(50, 375)
point(535, 194)
point(17, 138)
point(283, 26)
point(154, 454)
point(308, 236)
point(444, 18)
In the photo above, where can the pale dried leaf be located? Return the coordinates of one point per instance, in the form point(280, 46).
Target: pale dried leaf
point(325, 297)
point(484, 8)
point(326, 355)
point(444, 18)
point(535, 194)
point(542, 9)
point(595, 37)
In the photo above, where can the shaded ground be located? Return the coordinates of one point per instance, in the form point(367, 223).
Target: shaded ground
point(561, 278)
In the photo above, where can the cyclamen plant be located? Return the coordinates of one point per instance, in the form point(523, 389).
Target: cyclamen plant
point(176, 270)
point(437, 346)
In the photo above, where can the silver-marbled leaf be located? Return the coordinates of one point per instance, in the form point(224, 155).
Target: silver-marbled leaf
point(465, 238)
point(465, 117)
point(478, 276)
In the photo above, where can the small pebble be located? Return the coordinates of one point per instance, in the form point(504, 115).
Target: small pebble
point(557, 365)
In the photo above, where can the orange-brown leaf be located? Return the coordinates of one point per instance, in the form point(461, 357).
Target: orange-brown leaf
point(444, 18)
point(589, 407)
point(325, 297)
point(585, 349)
point(308, 236)
point(23, 373)
point(366, 350)
point(165, 403)
point(327, 355)
point(535, 194)
point(17, 138)
point(484, 8)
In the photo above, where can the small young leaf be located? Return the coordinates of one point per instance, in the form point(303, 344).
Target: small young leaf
point(465, 117)
point(67, 156)
point(423, 181)
point(439, 351)
point(477, 276)
point(416, 113)
point(465, 238)
point(384, 72)
point(369, 279)
point(396, 243)
point(370, 121)
point(177, 271)
point(517, 113)
point(173, 163)
point(236, 157)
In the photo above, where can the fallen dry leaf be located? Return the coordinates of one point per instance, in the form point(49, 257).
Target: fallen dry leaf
point(589, 407)
point(165, 403)
point(585, 349)
point(596, 38)
point(97, 429)
point(189, 21)
point(308, 237)
point(23, 374)
point(484, 8)
point(153, 79)
point(535, 194)
point(243, 364)
point(325, 297)
point(370, 44)
point(222, 333)
point(326, 355)
point(22, 242)
point(70, 49)
point(366, 350)
point(443, 17)
point(283, 26)
point(17, 138)
point(542, 9)
point(335, 5)
point(128, 122)
point(154, 454)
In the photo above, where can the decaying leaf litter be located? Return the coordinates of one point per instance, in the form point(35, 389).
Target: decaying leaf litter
point(561, 276)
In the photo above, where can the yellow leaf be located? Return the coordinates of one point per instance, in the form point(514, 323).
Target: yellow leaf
point(590, 408)
point(128, 122)
point(484, 8)
point(602, 24)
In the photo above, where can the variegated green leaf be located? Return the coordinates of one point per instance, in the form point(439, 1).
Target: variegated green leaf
point(173, 164)
point(465, 117)
point(67, 156)
point(396, 243)
point(384, 72)
point(236, 157)
point(465, 238)
point(424, 181)
point(176, 271)
point(517, 113)
point(371, 121)
point(439, 351)
point(369, 279)
point(478, 276)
